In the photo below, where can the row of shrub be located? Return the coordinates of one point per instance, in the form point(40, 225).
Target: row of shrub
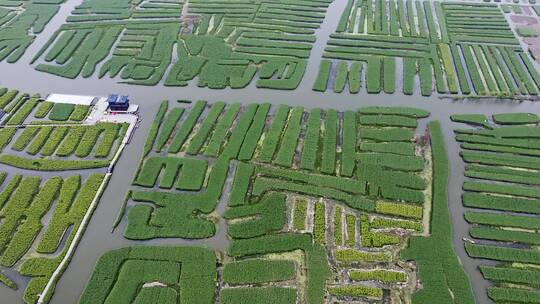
point(64, 141)
point(508, 186)
point(119, 273)
point(381, 275)
point(189, 173)
point(257, 271)
point(443, 279)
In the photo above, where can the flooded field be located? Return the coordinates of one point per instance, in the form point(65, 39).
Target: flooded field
point(100, 237)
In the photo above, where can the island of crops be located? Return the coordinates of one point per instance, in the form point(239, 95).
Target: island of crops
point(502, 196)
point(318, 206)
point(421, 47)
point(55, 162)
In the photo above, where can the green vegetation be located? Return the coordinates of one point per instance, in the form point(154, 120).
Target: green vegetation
point(516, 118)
point(502, 183)
point(50, 164)
point(8, 282)
point(356, 291)
point(258, 295)
point(21, 22)
point(189, 173)
point(299, 220)
point(431, 39)
point(473, 119)
point(22, 111)
point(43, 109)
point(258, 271)
point(350, 256)
point(526, 31)
point(386, 276)
point(79, 113)
point(294, 184)
point(446, 268)
point(319, 225)
point(40, 212)
point(61, 111)
point(26, 199)
point(350, 220)
point(119, 273)
point(154, 129)
point(268, 45)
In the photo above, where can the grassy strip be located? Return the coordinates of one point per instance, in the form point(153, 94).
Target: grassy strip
point(401, 111)
point(300, 210)
point(338, 226)
point(356, 291)
point(382, 275)
point(61, 111)
point(169, 124)
point(515, 118)
point(503, 254)
point(444, 265)
point(122, 210)
point(50, 164)
point(254, 132)
point(311, 140)
point(328, 161)
point(205, 129)
point(287, 149)
point(511, 275)
point(319, 223)
point(258, 295)
point(8, 282)
point(352, 256)
point(23, 112)
point(348, 146)
point(258, 271)
point(118, 273)
point(350, 221)
point(506, 220)
point(79, 113)
point(187, 127)
point(321, 82)
point(154, 129)
point(222, 128)
point(273, 135)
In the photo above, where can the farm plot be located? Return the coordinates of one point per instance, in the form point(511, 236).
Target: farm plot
point(502, 196)
point(63, 141)
point(21, 22)
point(219, 44)
point(312, 195)
point(40, 213)
point(453, 48)
point(153, 274)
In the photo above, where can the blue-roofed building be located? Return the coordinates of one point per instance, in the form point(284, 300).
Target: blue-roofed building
point(118, 103)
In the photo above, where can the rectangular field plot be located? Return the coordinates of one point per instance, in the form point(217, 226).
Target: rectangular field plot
point(318, 203)
point(20, 22)
point(503, 201)
point(217, 44)
point(47, 193)
point(447, 47)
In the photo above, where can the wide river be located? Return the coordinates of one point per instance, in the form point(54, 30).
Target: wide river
point(98, 238)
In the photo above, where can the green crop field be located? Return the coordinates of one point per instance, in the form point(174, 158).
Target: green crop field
point(501, 193)
point(270, 151)
point(217, 45)
point(458, 48)
point(40, 212)
point(315, 213)
point(20, 22)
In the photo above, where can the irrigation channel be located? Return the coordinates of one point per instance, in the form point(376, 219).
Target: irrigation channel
point(98, 237)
